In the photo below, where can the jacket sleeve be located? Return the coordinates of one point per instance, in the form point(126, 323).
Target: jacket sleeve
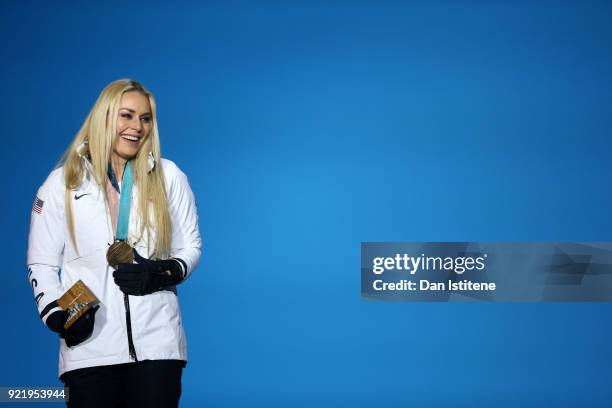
point(46, 244)
point(186, 240)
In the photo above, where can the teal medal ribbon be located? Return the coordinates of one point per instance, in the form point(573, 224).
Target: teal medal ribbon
point(120, 251)
point(123, 219)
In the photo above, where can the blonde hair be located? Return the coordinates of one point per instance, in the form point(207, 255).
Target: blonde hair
point(98, 132)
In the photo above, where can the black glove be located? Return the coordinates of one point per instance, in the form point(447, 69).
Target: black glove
point(147, 276)
point(78, 332)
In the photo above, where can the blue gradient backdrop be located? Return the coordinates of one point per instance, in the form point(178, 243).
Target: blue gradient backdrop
point(306, 128)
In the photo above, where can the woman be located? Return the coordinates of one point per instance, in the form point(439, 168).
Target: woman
point(113, 193)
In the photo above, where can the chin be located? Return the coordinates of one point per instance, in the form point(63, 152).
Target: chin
point(127, 154)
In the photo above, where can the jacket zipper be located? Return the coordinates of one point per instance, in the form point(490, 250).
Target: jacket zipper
point(128, 320)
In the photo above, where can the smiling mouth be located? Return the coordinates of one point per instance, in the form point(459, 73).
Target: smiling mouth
point(130, 138)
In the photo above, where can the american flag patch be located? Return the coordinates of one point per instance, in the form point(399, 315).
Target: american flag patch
point(38, 205)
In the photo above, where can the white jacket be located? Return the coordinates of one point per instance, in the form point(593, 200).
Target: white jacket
point(54, 265)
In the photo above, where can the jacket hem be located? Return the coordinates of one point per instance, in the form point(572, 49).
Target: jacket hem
point(124, 359)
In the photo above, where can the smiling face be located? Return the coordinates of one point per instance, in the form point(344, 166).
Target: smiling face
point(134, 123)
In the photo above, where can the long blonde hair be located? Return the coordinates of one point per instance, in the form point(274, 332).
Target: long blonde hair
point(98, 132)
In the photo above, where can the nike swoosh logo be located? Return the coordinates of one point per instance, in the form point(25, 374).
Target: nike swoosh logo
point(76, 197)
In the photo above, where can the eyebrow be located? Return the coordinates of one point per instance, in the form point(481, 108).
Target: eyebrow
point(133, 111)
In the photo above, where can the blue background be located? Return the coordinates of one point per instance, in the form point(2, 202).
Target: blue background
point(306, 128)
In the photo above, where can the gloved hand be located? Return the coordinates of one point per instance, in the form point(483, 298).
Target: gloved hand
point(78, 332)
point(147, 276)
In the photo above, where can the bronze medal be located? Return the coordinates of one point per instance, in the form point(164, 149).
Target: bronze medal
point(119, 252)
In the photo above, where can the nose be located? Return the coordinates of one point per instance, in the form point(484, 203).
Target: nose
point(136, 125)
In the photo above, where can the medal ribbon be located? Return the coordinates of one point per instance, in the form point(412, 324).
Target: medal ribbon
point(123, 218)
